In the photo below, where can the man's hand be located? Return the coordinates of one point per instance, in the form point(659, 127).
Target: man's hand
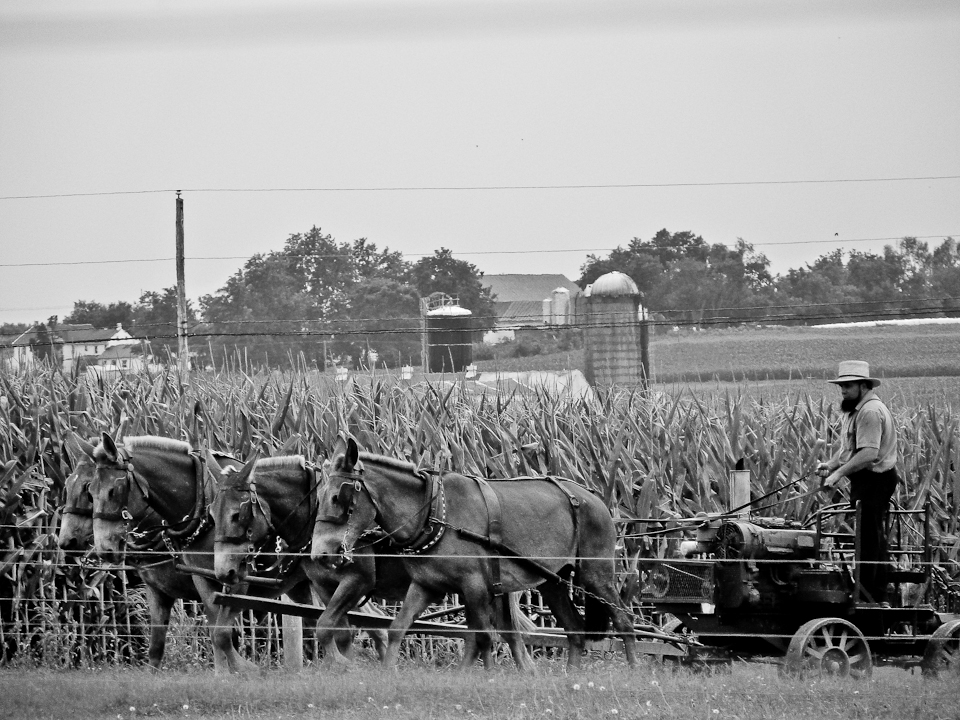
point(823, 469)
point(833, 479)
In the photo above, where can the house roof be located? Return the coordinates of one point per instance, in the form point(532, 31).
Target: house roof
point(513, 288)
point(82, 333)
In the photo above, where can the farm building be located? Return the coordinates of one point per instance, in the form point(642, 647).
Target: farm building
point(523, 300)
point(70, 343)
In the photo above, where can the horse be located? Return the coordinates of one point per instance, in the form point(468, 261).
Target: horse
point(478, 539)
point(275, 499)
point(163, 584)
point(147, 474)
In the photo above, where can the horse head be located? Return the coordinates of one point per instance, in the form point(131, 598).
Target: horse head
point(241, 519)
point(344, 508)
point(118, 497)
point(76, 519)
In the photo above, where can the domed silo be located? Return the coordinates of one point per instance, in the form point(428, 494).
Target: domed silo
point(448, 338)
point(614, 331)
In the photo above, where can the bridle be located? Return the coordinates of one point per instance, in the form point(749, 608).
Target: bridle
point(250, 503)
point(72, 507)
point(428, 531)
point(124, 464)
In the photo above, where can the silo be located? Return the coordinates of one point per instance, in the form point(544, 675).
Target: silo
point(449, 338)
point(561, 306)
point(614, 336)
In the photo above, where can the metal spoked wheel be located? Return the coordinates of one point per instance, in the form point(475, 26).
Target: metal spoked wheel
point(943, 650)
point(828, 646)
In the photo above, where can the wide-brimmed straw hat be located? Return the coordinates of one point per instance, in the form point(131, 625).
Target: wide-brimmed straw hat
point(855, 371)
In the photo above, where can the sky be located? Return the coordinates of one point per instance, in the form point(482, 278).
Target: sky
point(521, 135)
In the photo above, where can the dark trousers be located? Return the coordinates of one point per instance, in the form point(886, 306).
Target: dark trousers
point(874, 491)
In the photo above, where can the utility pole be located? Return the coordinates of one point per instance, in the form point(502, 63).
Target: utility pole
point(183, 354)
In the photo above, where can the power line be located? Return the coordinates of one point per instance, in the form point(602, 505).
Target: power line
point(306, 333)
point(462, 188)
point(321, 256)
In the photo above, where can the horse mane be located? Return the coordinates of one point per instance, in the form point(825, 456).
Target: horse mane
point(154, 442)
point(283, 462)
point(401, 465)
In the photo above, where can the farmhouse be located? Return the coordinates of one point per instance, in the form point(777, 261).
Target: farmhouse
point(67, 343)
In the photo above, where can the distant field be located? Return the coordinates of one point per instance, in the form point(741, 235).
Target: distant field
point(777, 353)
point(918, 363)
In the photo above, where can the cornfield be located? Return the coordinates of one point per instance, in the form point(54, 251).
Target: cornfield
point(649, 454)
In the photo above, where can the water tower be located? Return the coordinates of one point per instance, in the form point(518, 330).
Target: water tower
point(614, 331)
point(446, 334)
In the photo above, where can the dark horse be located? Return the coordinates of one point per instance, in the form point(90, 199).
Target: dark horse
point(277, 498)
point(477, 539)
point(163, 584)
point(145, 475)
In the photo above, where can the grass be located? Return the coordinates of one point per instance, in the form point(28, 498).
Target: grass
point(604, 689)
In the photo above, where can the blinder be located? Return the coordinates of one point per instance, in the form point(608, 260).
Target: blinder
point(122, 487)
point(345, 499)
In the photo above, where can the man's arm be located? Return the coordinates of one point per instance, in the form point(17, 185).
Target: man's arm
point(863, 458)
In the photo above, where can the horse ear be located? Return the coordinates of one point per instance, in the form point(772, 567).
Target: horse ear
point(244, 473)
point(109, 447)
point(351, 456)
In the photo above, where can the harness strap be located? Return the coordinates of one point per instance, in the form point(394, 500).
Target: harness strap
point(494, 533)
point(575, 504)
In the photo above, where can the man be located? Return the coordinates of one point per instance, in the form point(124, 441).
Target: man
point(867, 456)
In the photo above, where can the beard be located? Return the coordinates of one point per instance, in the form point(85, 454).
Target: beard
point(848, 405)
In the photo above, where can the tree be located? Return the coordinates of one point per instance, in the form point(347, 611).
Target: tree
point(441, 272)
point(43, 343)
point(681, 273)
point(383, 316)
point(101, 316)
point(291, 300)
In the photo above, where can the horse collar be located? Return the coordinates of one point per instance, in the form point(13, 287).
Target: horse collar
point(435, 523)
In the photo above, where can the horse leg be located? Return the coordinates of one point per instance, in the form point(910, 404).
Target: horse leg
point(222, 621)
point(479, 639)
point(333, 631)
point(414, 603)
point(597, 581)
point(556, 595)
point(160, 606)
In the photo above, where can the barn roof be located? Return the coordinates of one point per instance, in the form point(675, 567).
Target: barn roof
point(530, 288)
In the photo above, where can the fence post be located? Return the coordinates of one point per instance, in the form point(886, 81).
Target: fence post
point(292, 641)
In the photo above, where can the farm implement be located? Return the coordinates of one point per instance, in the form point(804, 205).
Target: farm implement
point(791, 592)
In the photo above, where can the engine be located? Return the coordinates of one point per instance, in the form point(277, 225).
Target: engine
point(742, 540)
point(732, 564)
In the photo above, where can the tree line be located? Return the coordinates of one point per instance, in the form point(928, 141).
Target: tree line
point(687, 280)
point(338, 301)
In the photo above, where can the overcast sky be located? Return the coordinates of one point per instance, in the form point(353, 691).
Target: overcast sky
point(426, 124)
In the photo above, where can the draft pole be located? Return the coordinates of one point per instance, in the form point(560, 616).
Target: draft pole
point(183, 353)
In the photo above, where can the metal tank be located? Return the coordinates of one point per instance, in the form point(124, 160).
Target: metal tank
point(449, 338)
